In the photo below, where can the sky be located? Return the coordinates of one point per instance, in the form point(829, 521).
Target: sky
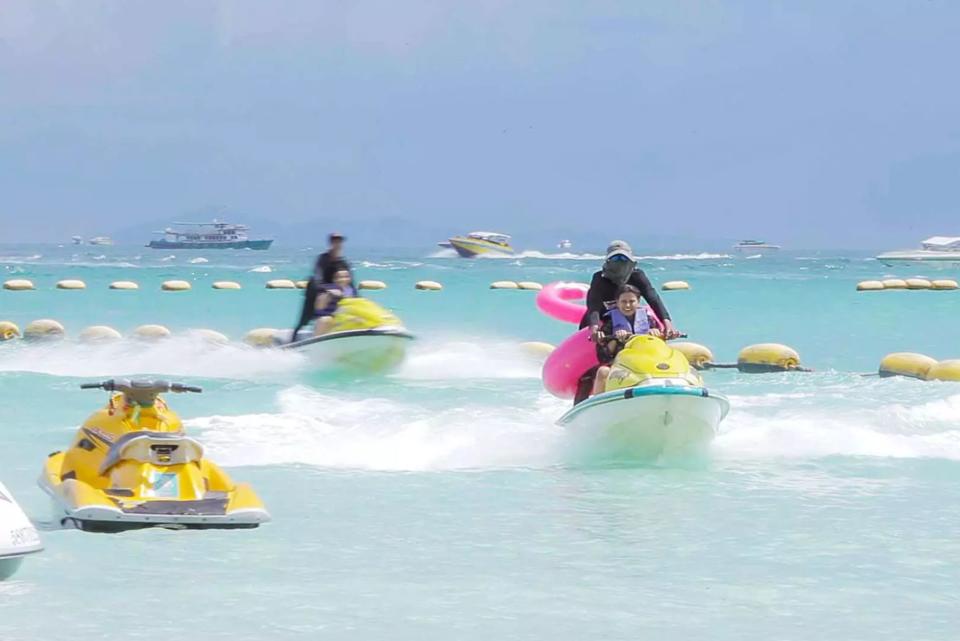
point(813, 124)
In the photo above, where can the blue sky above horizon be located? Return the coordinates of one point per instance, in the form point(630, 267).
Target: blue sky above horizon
point(816, 124)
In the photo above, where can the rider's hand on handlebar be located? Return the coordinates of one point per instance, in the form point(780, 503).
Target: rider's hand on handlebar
point(621, 334)
point(669, 331)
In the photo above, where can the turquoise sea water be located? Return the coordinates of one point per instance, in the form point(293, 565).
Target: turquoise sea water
point(443, 502)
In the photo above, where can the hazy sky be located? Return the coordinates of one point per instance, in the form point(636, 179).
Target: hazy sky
point(812, 123)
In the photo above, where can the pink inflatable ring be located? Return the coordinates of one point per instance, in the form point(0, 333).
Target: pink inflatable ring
point(556, 300)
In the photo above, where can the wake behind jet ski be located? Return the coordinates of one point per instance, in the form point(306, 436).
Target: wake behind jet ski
point(18, 537)
point(131, 466)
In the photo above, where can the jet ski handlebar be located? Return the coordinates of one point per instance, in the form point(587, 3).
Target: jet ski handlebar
point(141, 387)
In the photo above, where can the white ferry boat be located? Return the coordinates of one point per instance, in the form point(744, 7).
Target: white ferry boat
point(212, 235)
point(936, 249)
point(755, 247)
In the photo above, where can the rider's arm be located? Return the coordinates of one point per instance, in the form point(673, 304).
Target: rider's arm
point(639, 280)
point(595, 300)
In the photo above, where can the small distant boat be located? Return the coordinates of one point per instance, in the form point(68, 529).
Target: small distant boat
point(482, 243)
point(564, 244)
point(936, 249)
point(212, 235)
point(754, 247)
point(77, 240)
point(100, 240)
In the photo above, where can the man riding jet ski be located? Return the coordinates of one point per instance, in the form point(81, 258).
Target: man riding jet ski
point(350, 331)
point(131, 466)
point(647, 398)
point(620, 269)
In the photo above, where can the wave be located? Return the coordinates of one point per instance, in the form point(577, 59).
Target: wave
point(808, 425)
point(335, 431)
point(181, 355)
point(447, 359)
point(261, 269)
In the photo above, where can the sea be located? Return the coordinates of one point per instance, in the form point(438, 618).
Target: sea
point(442, 501)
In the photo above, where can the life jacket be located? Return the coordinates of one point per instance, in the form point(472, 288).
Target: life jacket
point(641, 321)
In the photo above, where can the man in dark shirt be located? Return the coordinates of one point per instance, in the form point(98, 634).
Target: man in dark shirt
point(328, 263)
point(619, 269)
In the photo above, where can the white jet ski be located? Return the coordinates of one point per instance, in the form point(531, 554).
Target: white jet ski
point(18, 537)
point(363, 337)
point(654, 404)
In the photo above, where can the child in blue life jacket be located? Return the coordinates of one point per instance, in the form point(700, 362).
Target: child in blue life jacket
point(627, 319)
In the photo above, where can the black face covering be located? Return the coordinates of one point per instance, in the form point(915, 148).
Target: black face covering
point(618, 271)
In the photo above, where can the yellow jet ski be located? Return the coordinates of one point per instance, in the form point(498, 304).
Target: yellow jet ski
point(363, 336)
point(654, 403)
point(131, 466)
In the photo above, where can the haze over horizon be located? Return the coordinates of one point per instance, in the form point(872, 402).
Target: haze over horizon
point(822, 125)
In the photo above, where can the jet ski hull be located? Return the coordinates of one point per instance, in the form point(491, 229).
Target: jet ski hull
point(367, 350)
point(647, 422)
point(92, 509)
point(18, 537)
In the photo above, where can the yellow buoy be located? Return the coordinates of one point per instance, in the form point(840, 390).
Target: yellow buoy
point(281, 283)
point(44, 329)
point(261, 337)
point(302, 284)
point(504, 284)
point(768, 357)
point(698, 355)
point(175, 286)
point(945, 371)
point(210, 336)
point(918, 283)
point(675, 285)
point(537, 350)
point(429, 285)
point(906, 364)
point(945, 283)
point(18, 284)
point(894, 283)
point(124, 284)
point(8, 331)
point(372, 284)
point(151, 332)
point(226, 284)
point(529, 284)
point(99, 334)
point(71, 284)
point(870, 286)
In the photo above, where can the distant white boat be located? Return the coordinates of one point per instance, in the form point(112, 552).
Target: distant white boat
point(755, 247)
point(937, 249)
point(100, 240)
point(564, 244)
point(77, 240)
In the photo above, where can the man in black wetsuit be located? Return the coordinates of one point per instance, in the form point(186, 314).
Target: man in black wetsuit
point(619, 269)
point(328, 263)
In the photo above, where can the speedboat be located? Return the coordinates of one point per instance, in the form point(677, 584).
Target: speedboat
point(100, 240)
point(482, 243)
point(363, 337)
point(132, 466)
point(755, 247)
point(654, 404)
point(564, 244)
point(937, 249)
point(18, 537)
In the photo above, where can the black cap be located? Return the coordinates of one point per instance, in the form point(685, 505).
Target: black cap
point(336, 236)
